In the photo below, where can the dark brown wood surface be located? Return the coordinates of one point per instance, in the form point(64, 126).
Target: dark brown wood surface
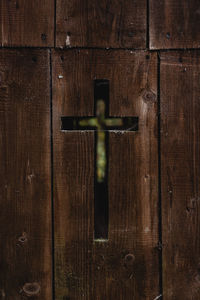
point(115, 24)
point(25, 200)
point(27, 23)
point(180, 148)
point(125, 266)
point(174, 24)
point(153, 246)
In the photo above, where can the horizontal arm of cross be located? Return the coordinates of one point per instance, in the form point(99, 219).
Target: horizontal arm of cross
point(93, 123)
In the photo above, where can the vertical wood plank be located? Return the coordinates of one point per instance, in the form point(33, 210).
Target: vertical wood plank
point(174, 24)
point(25, 200)
point(102, 24)
point(27, 23)
point(126, 266)
point(180, 148)
point(133, 183)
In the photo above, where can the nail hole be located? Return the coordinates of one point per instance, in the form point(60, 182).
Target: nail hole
point(129, 260)
point(34, 59)
point(129, 257)
point(130, 34)
point(180, 59)
point(43, 37)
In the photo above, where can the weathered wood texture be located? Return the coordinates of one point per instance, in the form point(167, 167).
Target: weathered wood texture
point(25, 202)
point(116, 24)
point(126, 266)
point(27, 23)
point(180, 148)
point(174, 24)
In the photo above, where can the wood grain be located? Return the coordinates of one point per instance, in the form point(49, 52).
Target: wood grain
point(174, 24)
point(126, 266)
point(25, 201)
point(180, 148)
point(115, 24)
point(27, 23)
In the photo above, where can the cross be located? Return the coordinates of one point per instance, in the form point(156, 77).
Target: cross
point(101, 123)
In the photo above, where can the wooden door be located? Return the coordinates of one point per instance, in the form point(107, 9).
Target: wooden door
point(99, 149)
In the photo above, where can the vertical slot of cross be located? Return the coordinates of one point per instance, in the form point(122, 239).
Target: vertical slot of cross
point(101, 204)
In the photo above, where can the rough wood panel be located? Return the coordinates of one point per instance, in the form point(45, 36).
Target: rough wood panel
point(116, 24)
point(27, 23)
point(180, 146)
point(126, 266)
point(174, 24)
point(25, 201)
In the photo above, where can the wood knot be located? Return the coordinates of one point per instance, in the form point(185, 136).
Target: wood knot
point(148, 96)
point(31, 289)
point(129, 260)
point(23, 238)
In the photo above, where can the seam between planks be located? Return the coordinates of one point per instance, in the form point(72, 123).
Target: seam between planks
point(103, 49)
point(52, 173)
point(159, 183)
point(147, 24)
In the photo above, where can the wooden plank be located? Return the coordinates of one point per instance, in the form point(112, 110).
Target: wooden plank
point(125, 266)
point(180, 146)
point(174, 24)
point(101, 24)
point(25, 200)
point(27, 23)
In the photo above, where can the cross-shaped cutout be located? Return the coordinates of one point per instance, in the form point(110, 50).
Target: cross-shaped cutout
point(101, 123)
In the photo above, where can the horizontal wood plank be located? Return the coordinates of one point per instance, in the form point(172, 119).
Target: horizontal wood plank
point(174, 24)
point(102, 24)
point(27, 23)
